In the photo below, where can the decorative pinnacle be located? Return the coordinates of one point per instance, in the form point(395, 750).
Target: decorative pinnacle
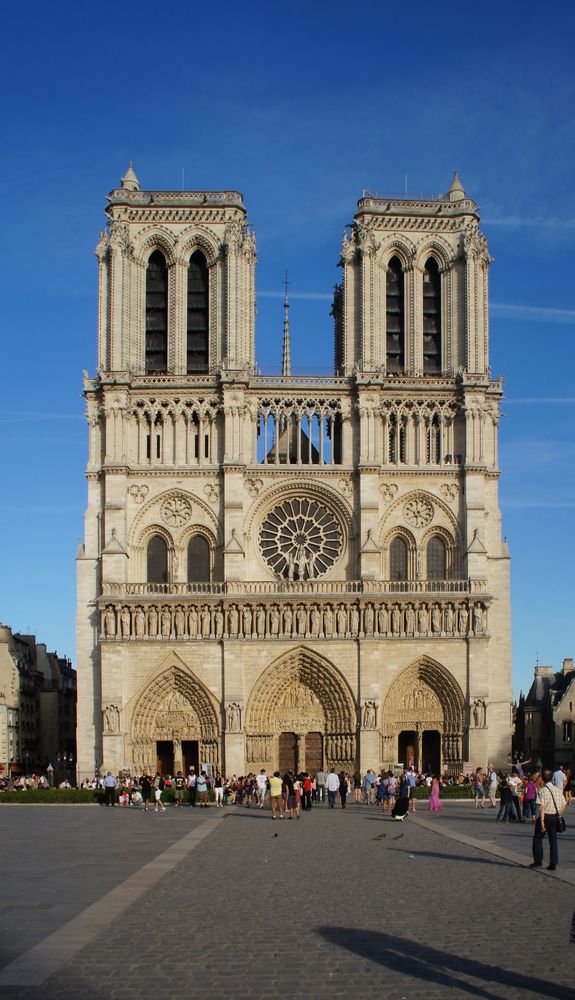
point(286, 352)
point(129, 181)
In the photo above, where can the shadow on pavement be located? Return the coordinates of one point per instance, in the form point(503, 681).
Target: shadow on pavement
point(434, 966)
point(455, 857)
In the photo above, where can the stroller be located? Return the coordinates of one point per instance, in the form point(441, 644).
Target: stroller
point(399, 811)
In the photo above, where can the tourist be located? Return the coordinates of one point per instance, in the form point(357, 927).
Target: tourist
point(158, 789)
point(110, 789)
point(307, 792)
point(504, 800)
point(515, 782)
point(179, 785)
point(492, 782)
point(343, 788)
point(218, 789)
point(357, 783)
point(202, 790)
point(369, 786)
point(401, 805)
point(192, 786)
point(551, 802)
point(434, 804)
point(320, 779)
point(478, 789)
point(559, 778)
point(276, 800)
point(261, 784)
point(288, 792)
point(411, 782)
point(529, 798)
point(146, 789)
point(390, 792)
point(332, 785)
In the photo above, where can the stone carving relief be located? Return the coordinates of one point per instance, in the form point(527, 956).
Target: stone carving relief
point(139, 492)
point(212, 491)
point(176, 511)
point(259, 749)
point(479, 713)
point(449, 491)
point(288, 619)
point(388, 491)
point(254, 487)
point(418, 512)
point(111, 720)
point(234, 717)
point(369, 715)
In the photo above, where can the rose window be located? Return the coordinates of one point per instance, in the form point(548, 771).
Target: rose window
point(300, 539)
point(176, 511)
point(418, 512)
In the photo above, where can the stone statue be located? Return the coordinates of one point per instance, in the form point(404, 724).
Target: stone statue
point(193, 622)
point(436, 619)
point(301, 618)
point(218, 623)
point(368, 619)
point(315, 622)
point(166, 622)
point(234, 620)
point(288, 620)
point(274, 621)
point(341, 620)
point(478, 625)
point(395, 620)
point(463, 620)
point(111, 720)
point(109, 623)
point(179, 622)
point(261, 622)
point(125, 623)
point(205, 621)
point(234, 718)
point(409, 619)
point(354, 621)
point(422, 620)
point(483, 714)
point(382, 620)
point(152, 622)
point(369, 715)
point(247, 621)
point(476, 713)
point(140, 623)
point(328, 620)
point(449, 619)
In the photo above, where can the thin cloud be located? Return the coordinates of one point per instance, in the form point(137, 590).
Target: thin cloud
point(547, 313)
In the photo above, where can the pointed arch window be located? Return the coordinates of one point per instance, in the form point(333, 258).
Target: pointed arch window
point(395, 317)
point(156, 313)
point(436, 559)
point(198, 318)
point(157, 560)
point(431, 317)
point(198, 559)
point(398, 559)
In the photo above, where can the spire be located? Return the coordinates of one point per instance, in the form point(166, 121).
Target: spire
point(456, 192)
point(286, 352)
point(129, 181)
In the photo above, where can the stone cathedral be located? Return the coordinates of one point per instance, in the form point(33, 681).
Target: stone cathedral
point(289, 571)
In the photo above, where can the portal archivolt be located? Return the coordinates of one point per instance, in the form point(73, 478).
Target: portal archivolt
point(301, 695)
point(425, 698)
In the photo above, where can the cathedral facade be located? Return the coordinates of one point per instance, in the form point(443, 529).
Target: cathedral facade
point(287, 570)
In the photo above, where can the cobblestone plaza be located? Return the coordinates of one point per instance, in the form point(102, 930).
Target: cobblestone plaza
point(208, 906)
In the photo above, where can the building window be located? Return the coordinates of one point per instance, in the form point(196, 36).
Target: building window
point(156, 313)
point(198, 559)
point(198, 335)
point(395, 317)
point(436, 559)
point(157, 560)
point(397, 440)
point(398, 560)
point(567, 732)
point(431, 317)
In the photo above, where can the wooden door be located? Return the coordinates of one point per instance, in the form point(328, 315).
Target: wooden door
point(313, 753)
point(165, 757)
point(287, 752)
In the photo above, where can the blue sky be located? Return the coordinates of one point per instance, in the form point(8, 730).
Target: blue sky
point(300, 108)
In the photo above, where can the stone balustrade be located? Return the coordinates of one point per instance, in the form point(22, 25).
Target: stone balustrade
point(279, 587)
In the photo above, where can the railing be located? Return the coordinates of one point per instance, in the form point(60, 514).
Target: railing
point(241, 588)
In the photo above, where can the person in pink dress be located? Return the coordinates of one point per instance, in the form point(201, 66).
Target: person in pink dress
point(434, 804)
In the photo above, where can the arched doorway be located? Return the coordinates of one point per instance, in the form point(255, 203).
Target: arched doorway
point(423, 718)
point(301, 715)
point(174, 724)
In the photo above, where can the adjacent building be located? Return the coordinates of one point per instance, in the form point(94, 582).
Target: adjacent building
point(37, 707)
point(545, 719)
point(288, 570)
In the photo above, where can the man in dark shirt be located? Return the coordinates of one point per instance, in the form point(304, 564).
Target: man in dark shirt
point(289, 793)
point(146, 787)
